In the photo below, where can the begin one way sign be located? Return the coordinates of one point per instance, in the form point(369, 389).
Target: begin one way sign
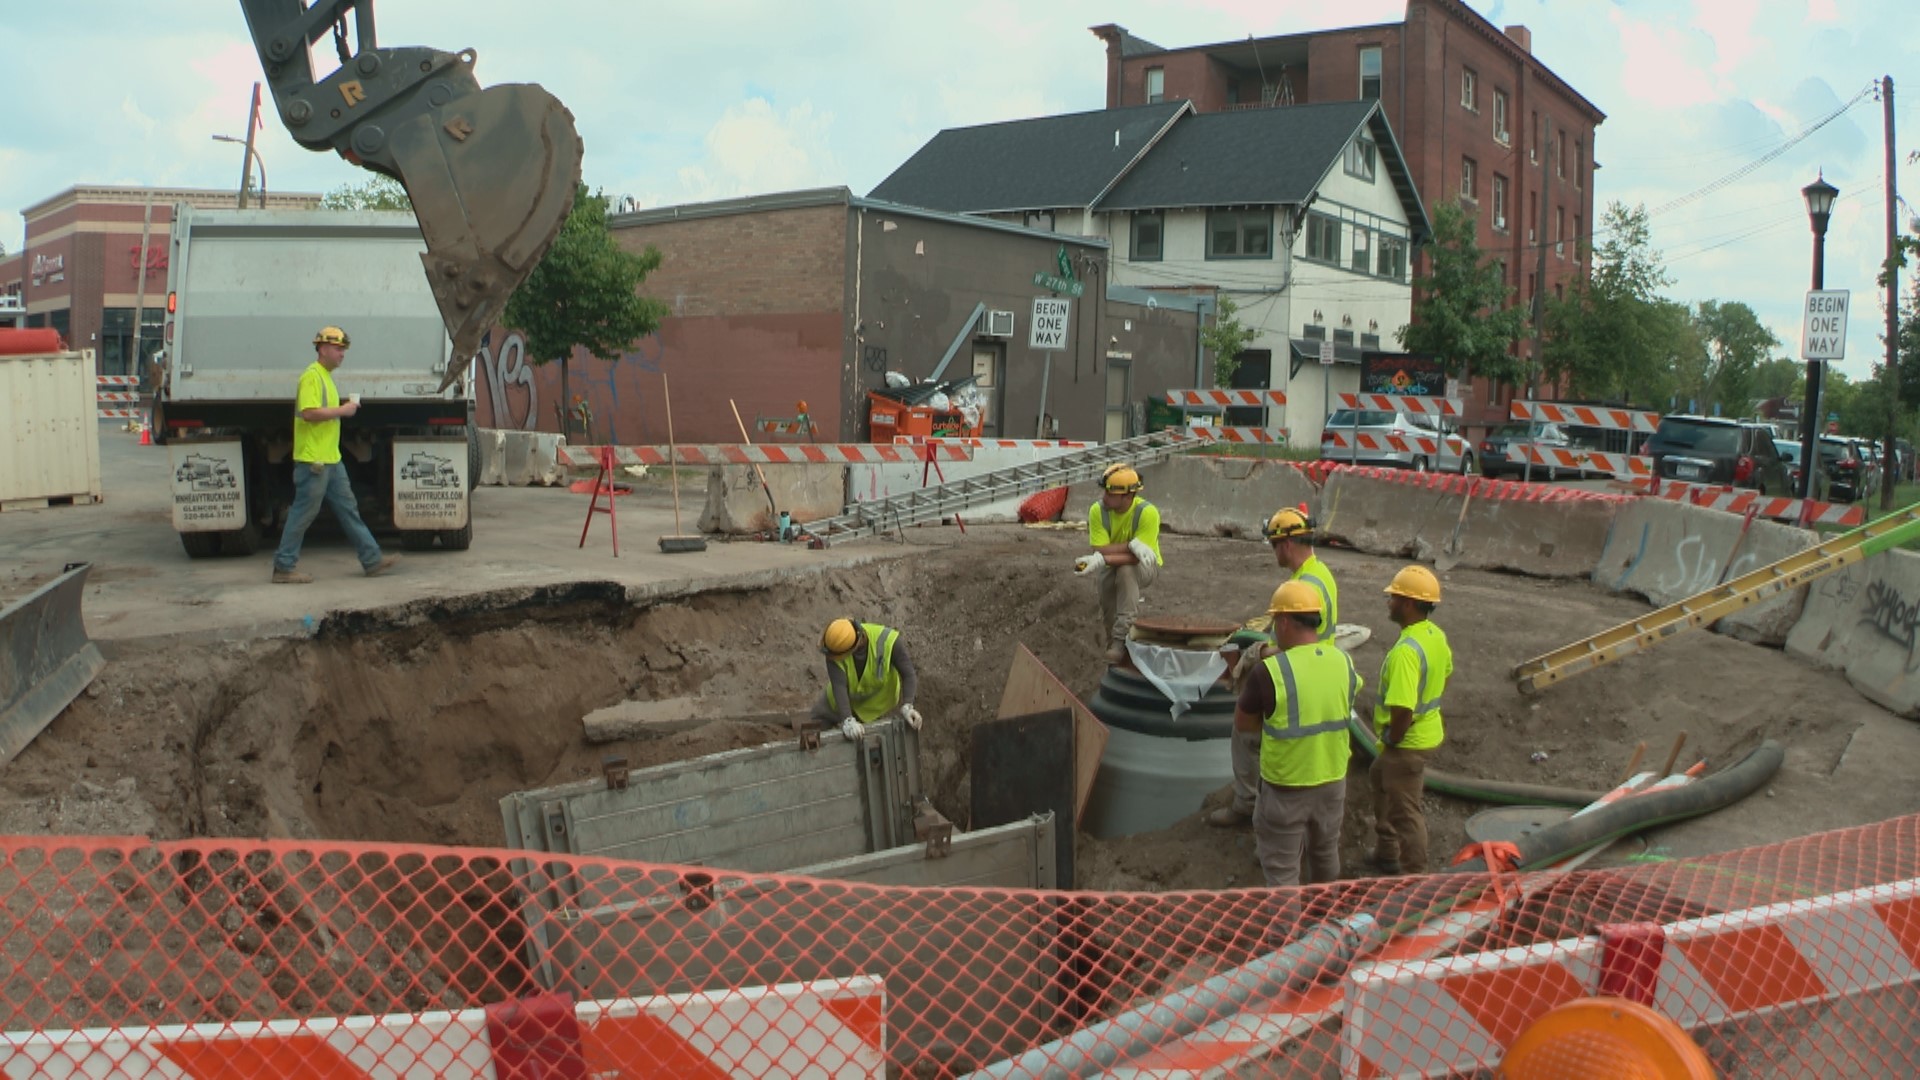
point(1824, 337)
point(1049, 322)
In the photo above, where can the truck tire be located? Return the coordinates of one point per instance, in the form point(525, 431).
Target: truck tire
point(473, 457)
point(200, 545)
point(417, 539)
point(459, 539)
point(241, 541)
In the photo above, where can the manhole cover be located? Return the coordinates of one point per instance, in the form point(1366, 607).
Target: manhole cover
point(1184, 626)
point(1507, 824)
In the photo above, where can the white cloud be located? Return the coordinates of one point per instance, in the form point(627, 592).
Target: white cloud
point(753, 149)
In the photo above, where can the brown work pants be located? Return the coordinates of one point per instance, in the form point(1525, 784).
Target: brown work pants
point(1120, 589)
point(1292, 822)
point(1399, 824)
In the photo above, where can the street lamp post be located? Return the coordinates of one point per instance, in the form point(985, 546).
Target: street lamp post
point(254, 159)
point(1819, 196)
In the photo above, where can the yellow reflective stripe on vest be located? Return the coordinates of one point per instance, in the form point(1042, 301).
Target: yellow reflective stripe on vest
point(1106, 520)
point(1421, 703)
point(1326, 605)
point(1294, 730)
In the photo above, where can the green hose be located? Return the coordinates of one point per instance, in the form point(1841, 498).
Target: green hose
point(1491, 791)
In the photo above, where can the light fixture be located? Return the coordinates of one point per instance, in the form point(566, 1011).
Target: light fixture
point(1346, 320)
point(1373, 324)
point(1820, 196)
point(1316, 315)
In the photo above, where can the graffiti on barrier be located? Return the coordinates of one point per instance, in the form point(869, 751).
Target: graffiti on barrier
point(507, 367)
point(1894, 616)
point(1696, 571)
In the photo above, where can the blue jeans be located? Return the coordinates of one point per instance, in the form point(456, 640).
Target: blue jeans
point(312, 485)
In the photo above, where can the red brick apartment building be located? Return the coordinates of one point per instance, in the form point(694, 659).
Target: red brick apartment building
point(1479, 118)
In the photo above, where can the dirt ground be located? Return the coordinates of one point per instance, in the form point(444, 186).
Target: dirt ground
point(409, 725)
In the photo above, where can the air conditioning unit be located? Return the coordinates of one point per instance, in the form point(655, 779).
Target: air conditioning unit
point(999, 324)
point(1530, 233)
point(1500, 223)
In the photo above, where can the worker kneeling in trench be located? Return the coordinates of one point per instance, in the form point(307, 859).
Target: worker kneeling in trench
point(870, 678)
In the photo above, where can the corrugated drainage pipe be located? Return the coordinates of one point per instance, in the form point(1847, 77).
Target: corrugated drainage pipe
point(1492, 791)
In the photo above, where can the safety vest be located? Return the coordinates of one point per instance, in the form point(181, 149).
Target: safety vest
point(1304, 741)
point(1315, 573)
point(1421, 657)
point(876, 690)
point(1103, 529)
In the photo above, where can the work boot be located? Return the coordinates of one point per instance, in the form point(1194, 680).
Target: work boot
point(1382, 867)
point(291, 577)
point(1228, 817)
point(1117, 652)
point(386, 563)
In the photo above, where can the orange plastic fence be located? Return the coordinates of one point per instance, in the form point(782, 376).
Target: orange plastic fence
point(226, 958)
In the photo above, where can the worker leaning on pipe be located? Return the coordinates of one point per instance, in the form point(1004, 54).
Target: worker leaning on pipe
point(1297, 705)
point(1124, 531)
point(1290, 532)
point(870, 677)
point(1413, 678)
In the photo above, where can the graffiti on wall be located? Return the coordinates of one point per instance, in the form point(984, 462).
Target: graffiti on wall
point(512, 384)
point(506, 368)
point(1894, 616)
point(1695, 570)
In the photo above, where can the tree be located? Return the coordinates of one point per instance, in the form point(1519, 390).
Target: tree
point(585, 294)
point(377, 193)
point(1780, 378)
point(1611, 336)
point(1226, 337)
point(1734, 345)
point(1463, 318)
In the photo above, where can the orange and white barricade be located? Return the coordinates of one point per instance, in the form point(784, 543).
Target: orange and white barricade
point(1261, 435)
point(1227, 398)
point(1443, 1017)
point(1738, 501)
point(746, 454)
point(1625, 466)
point(117, 397)
point(830, 1028)
point(1412, 404)
point(976, 443)
point(1368, 442)
point(1596, 416)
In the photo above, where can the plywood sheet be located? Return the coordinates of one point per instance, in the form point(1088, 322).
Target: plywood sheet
point(1031, 688)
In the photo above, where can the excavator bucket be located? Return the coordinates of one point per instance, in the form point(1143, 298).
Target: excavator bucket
point(492, 176)
point(46, 659)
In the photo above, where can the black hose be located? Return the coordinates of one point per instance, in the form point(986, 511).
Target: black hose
point(1492, 791)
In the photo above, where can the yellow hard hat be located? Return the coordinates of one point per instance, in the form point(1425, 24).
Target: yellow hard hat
point(1294, 598)
point(333, 335)
point(1287, 524)
point(1120, 480)
point(1415, 583)
point(838, 638)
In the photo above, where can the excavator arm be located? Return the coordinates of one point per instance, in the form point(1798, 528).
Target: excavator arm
point(491, 172)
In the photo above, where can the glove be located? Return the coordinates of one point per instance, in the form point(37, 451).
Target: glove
point(1142, 552)
point(852, 729)
point(1087, 564)
point(911, 715)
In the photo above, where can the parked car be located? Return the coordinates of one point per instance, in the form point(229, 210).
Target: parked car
point(1869, 452)
point(1493, 447)
point(1790, 454)
point(1453, 452)
point(1847, 472)
point(1710, 450)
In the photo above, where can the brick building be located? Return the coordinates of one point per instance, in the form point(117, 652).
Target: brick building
point(815, 295)
point(78, 273)
point(1479, 118)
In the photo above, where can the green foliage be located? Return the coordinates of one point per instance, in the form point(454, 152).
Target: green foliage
point(1614, 335)
point(585, 293)
point(1226, 338)
point(377, 193)
point(1779, 378)
point(1733, 346)
point(1463, 318)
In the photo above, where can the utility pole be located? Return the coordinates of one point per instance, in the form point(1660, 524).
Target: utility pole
point(1890, 460)
point(1540, 263)
point(246, 159)
point(135, 367)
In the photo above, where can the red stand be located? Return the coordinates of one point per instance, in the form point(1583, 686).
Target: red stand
point(603, 484)
point(933, 465)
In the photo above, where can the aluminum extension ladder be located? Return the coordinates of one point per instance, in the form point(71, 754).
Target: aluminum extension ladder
point(867, 519)
point(1706, 608)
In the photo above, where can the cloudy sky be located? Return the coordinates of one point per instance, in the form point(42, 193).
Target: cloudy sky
point(686, 102)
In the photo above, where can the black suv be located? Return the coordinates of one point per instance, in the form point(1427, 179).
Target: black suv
point(1709, 450)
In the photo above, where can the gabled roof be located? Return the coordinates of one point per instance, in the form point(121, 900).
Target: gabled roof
point(1248, 157)
point(1044, 164)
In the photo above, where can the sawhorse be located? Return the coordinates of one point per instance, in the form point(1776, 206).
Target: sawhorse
point(603, 483)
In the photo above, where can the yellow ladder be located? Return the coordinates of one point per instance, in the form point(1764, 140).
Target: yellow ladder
point(1706, 608)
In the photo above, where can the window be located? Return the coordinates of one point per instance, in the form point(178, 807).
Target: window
point(1560, 157)
point(1370, 341)
point(1323, 238)
point(1362, 249)
point(1559, 232)
point(1040, 219)
point(1500, 133)
point(1360, 158)
point(1577, 237)
point(1534, 222)
point(1156, 84)
point(1533, 144)
point(1579, 161)
point(1239, 234)
point(1343, 337)
point(1469, 182)
point(1313, 332)
point(1370, 73)
point(1499, 202)
point(1469, 88)
point(1393, 258)
point(1148, 228)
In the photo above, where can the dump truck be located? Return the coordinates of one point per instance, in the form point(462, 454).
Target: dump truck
point(246, 290)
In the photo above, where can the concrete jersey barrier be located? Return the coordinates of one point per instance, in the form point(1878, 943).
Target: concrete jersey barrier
point(736, 503)
point(520, 458)
point(1668, 551)
point(1863, 622)
point(1466, 521)
point(1216, 496)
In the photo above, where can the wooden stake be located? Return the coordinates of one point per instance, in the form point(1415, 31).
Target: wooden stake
point(1679, 741)
point(673, 452)
point(1639, 751)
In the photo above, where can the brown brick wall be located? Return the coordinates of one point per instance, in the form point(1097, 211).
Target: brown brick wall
point(766, 262)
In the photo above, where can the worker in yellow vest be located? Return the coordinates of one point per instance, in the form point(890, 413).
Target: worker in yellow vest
point(1290, 532)
point(1124, 531)
point(1299, 704)
point(1412, 680)
point(870, 677)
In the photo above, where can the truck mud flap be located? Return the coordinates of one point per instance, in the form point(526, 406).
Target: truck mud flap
point(46, 658)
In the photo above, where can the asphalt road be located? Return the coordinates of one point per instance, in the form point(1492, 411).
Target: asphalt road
point(143, 585)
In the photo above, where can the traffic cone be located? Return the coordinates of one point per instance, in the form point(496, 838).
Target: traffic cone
point(146, 435)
